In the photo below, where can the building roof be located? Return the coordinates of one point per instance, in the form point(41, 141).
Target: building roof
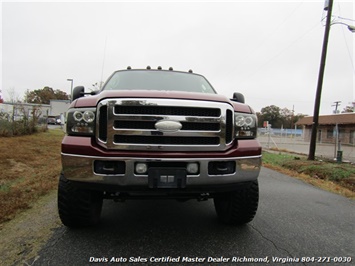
point(346, 118)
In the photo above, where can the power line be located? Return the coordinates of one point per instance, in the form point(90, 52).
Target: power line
point(346, 44)
point(269, 36)
point(339, 17)
point(281, 52)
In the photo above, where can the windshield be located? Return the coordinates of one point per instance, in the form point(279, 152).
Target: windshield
point(158, 80)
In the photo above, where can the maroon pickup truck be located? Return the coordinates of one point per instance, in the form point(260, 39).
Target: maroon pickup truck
point(158, 134)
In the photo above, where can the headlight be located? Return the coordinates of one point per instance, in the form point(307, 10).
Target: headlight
point(245, 125)
point(81, 121)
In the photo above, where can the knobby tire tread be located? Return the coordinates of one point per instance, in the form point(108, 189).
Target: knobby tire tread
point(238, 207)
point(78, 207)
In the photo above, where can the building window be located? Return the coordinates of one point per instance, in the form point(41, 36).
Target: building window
point(330, 134)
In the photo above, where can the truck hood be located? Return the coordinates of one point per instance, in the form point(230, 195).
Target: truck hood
point(92, 101)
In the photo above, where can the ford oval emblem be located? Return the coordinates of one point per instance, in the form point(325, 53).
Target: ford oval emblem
point(168, 126)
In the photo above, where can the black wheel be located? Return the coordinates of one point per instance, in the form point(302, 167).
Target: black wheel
point(240, 206)
point(78, 207)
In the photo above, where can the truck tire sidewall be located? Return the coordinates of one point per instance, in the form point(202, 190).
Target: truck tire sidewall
point(238, 207)
point(78, 207)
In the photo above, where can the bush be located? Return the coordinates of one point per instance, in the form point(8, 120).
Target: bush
point(10, 127)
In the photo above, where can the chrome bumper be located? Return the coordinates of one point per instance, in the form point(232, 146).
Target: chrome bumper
point(81, 168)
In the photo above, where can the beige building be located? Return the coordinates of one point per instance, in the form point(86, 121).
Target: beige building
point(327, 128)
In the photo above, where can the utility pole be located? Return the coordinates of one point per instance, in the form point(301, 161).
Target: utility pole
point(312, 146)
point(337, 103)
point(293, 113)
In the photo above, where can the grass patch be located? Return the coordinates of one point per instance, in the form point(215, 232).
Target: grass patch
point(30, 166)
point(339, 178)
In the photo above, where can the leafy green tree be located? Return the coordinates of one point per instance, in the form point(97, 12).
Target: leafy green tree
point(349, 109)
point(43, 96)
point(278, 117)
point(272, 114)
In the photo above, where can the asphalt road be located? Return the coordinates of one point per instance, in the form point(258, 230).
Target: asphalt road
point(295, 220)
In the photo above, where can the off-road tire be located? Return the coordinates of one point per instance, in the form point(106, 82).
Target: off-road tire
point(238, 207)
point(78, 207)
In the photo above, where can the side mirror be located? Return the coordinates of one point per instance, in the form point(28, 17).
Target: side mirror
point(77, 92)
point(93, 92)
point(238, 97)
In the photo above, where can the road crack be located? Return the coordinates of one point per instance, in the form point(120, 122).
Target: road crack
point(272, 242)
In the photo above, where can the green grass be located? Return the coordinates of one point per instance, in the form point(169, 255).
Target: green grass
point(324, 170)
point(341, 174)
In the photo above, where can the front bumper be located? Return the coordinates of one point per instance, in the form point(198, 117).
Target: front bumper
point(246, 159)
point(81, 168)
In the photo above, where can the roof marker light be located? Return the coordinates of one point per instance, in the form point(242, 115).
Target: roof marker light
point(148, 67)
point(170, 68)
point(159, 67)
point(190, 71)
point(128, 67)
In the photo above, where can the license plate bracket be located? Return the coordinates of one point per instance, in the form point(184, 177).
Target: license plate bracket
point(166, 177)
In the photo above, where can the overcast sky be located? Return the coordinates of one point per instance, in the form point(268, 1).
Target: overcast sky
point(268, 50)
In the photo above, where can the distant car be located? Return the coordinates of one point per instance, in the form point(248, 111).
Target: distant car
point(54, 120)
point(58, 121)
point(51, 120)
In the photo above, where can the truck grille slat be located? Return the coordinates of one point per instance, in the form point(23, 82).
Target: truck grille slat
point(166, 140)
point(103, 123)
point(229, 126)
point(151, 125)
point(131, 124)
point(167, 110)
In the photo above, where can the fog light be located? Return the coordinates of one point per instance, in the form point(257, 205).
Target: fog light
point(221, 168)
point(109, 167)
point(192, 168)
point(141, 168)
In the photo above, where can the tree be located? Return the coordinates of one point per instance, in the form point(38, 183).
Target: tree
point(13, 96)
point(278, 117)
point(97, 86)
point(286, 118)
point(272, 114)
point(349, 109)
point(43, 96)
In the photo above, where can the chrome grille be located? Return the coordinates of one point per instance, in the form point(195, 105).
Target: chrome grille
point(130, 124)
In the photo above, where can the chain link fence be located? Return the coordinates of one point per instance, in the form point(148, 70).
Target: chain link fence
point(21, 121)
point(293, 141)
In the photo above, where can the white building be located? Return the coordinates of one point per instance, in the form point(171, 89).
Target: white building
point(58, 107)
point(16, 111)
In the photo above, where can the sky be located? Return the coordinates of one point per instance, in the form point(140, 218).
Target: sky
point(268, 50)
